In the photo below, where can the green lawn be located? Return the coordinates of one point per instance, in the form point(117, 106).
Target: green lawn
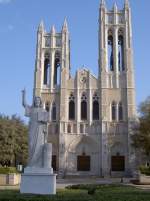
point(103, 193)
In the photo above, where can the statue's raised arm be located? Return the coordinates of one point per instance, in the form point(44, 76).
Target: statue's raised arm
point(27, 107)
point(24, 98)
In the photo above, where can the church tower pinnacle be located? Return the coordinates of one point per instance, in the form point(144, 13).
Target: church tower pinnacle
point(127, 3)
point(41, 26)
point(65, 25)
point(102, 2)
point(115, 7)
point(53, 30)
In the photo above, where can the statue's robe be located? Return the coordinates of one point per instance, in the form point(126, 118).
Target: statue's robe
point(37, 134)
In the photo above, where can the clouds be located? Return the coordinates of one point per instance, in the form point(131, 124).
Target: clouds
point(5, 1)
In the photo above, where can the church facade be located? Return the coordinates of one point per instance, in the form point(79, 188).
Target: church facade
point(90, 117)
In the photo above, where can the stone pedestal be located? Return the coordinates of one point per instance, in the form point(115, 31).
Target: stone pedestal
point(38, 181)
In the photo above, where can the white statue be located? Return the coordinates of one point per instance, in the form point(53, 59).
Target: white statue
point(38, 176)
point(37, 139)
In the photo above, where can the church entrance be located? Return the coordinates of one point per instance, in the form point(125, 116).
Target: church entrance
point(83, 163)
point(118, 163)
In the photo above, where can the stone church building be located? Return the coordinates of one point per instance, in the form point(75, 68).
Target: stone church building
point(90, 117)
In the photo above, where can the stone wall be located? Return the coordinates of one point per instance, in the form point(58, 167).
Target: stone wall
point(10, 179)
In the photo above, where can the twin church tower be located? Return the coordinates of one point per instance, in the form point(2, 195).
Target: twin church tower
point(90, 117)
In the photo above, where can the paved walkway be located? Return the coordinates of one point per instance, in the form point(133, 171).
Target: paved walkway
point(142, 187)
point(62, 183)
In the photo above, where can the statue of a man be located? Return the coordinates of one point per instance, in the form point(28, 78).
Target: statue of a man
point(37, 130)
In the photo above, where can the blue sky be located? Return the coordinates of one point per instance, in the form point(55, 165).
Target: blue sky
point(18, 26)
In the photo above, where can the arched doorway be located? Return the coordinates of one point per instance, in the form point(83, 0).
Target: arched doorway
point(118, 158)
point(83, 156)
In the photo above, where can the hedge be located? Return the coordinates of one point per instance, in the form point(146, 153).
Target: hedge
point(8, 170)
point(145, 170)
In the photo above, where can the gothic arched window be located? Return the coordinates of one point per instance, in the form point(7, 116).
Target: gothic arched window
point(110, 51)
point(120, 112)
point(47, 106)
point(46, 69)
point(113, 111)
point(71, 108)
point(83, 107)
point(57, 69)
point(120, 51)
point(54, 112)
point(95, 107)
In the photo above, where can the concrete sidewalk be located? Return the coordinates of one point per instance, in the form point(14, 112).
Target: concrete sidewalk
point(62, 183)
point(141, 187)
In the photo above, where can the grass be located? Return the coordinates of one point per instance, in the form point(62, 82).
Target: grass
point(103, 193)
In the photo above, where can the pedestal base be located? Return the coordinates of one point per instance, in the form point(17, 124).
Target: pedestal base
point(38, 181)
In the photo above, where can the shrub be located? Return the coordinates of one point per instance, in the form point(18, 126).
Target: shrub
point(82, 186)
point(145, 170)
point(8, 170)
point(91, 191)
point(91, 186)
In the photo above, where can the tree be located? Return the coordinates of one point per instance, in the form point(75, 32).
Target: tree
point(13, 141)
point(141, 136)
